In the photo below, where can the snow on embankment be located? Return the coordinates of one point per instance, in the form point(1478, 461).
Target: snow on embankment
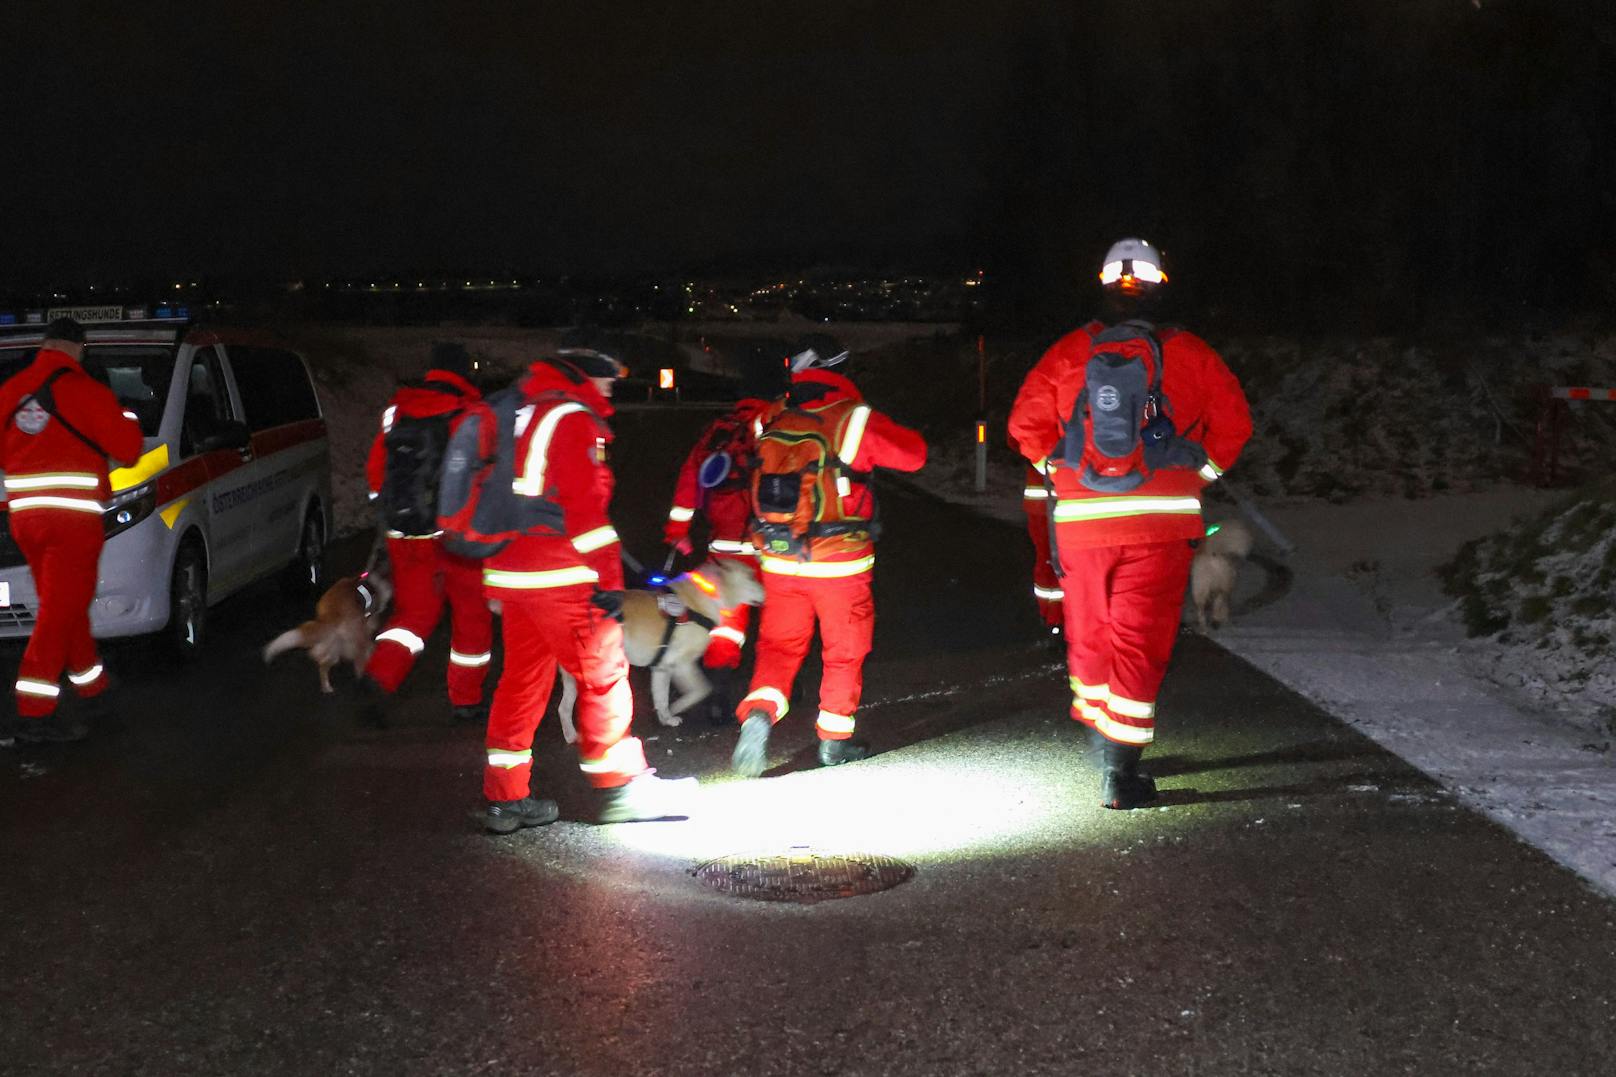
point(1537, 599)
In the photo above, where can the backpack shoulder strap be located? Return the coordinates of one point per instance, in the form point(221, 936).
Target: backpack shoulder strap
point(45, 399)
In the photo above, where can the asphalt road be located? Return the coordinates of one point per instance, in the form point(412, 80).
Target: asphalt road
point(233, 876)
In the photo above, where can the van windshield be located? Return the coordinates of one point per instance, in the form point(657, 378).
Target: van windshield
point(138, 373)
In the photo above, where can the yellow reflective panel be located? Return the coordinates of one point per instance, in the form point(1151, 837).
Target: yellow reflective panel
point(172, 512)
point(148, 465)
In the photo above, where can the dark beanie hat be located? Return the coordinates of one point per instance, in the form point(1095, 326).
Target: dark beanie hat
point(451, 356)
point(67, 329)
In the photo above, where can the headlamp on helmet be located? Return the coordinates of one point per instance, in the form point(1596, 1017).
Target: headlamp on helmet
point(1132, 266)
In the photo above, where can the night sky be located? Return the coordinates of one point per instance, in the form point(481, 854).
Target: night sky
point(1298, 157)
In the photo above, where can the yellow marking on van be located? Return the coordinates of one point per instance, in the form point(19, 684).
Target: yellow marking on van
point(148, 465)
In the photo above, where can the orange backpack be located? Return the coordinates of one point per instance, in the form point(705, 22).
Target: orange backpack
point(799, 480)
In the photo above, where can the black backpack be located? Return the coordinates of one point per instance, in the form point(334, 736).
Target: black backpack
point(480, 511)
point(415, 451)
point(1121, 430)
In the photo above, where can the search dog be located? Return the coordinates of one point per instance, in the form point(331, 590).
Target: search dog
point(1213, 572)
point(346, 620)
point(647, 616)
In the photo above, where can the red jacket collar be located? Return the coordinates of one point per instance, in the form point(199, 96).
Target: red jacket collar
point(464, 387)
point(835, 388)
point(543, 377)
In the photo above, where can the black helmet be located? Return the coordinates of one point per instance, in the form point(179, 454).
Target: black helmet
point(451, 356)
point(586, 348)
point(65, 329)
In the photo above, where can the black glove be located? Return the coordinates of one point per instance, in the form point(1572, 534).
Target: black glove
point(609, 602)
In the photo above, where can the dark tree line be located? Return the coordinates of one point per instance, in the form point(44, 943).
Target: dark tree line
point(1360, 164)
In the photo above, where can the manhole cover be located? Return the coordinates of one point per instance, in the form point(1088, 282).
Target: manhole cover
point(804, 876)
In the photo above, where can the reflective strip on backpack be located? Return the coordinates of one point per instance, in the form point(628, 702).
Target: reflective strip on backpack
point(404, 638)
point(76, 504)
point(1048, 594)
point(1110, 508)
point(732, 546)
point(1210, 471)
point(1035, 493)
point(817, 570)
point(590, 541)
point(408, 538)
point(387, 419)
point(536, 581)
point(835, 723)
point(29, 687)
point(531, 482)
point(681, 515)
point(854, 438)
point(89, 676)
point(470, 661)
point(769, 695)
point(500, 757)
point(59, 480)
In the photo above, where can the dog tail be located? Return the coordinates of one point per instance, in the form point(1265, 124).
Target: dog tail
point(287, 641)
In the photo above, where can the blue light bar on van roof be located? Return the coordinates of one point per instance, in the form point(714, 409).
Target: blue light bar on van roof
point(7, 318)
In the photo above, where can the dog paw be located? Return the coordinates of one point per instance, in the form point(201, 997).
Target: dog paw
point(670, 719)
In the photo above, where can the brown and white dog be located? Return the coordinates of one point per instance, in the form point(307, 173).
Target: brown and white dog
point(708, 591)
point(346, 620)
point(1214, 570)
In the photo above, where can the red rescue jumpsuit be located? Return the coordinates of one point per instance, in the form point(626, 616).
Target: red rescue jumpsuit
point(728, 509)
point(1127, 557)
point(833, 584)
point(424, 573)
point(55, 486)
point(545, 583)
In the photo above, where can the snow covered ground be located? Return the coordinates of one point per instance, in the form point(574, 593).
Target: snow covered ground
point(1367, 633)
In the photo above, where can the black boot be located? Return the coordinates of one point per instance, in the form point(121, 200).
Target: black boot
point(720, 707)
point(471, 712)
point(52, 729)
point(833, 753)
point(1122, 784)
point(751, 756)
point(509, 816)
point(372, 704)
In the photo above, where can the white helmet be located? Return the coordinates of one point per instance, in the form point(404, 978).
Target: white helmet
point(1132, 265)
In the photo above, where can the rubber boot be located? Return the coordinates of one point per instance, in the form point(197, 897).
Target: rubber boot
point(751, 756)
point(509, 816)
point(720, 707)
point(833, 753)
point(372, 704)
point(1122, 784)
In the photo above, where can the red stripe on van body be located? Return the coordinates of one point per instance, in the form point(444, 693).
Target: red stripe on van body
point(280, 438)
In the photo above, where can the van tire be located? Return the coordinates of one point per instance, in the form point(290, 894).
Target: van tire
point(187, 605)
point(305, 577)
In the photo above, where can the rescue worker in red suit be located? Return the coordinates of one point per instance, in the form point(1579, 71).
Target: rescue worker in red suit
point(829, 580)
point(724, 500)
point(62, 426)
point(1126, 557)
point(1046, 586)
point(424, 573)
point(561, 598)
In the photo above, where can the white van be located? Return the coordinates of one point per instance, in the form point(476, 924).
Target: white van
point(233, 483)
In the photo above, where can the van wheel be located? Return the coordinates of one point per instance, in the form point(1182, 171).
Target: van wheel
point(187, 605)
point(305, 576)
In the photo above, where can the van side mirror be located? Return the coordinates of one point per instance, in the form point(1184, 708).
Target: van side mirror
point(228, 435)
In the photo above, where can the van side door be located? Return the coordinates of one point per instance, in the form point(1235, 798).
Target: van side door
point(214, 438)
point(289, 442)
